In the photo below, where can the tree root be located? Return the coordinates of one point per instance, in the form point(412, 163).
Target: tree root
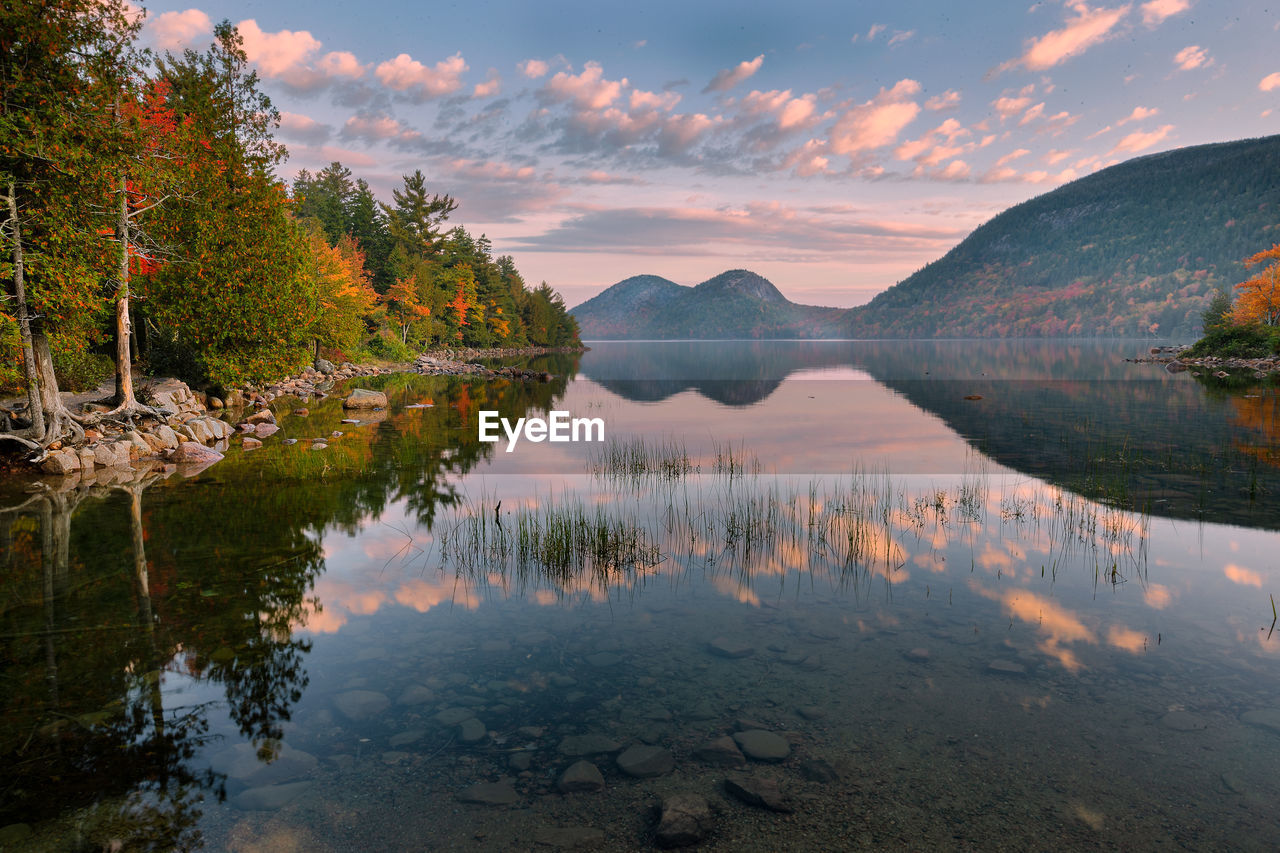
point(124, 414)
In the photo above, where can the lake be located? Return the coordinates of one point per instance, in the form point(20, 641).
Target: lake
point(922, 595)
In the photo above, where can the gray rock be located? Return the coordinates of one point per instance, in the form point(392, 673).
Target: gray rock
point(757, 791)
point(811, 712)
point(114, 455)
point(270, 797)
point(721, 752)
point(580, 776)
point(358, 705)
point(520, 761)
point(319, 445)
point(575, 746)
point(453, 716)
point(416, 694)
point(490, 794)
point(603, 659)
point(264, 430)
point(727, 648)
point(407, 737)
point(686, 820)
point(917, 655)
point(646, 762)
point(1183, 721)
point(819, 770)
point(569, 837)
point(362, 398)
point(324, 366)
point(762, 745)
point(472, 731)
point(1266, 718)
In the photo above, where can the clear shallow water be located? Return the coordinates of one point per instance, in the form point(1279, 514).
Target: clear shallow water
point(959, 654)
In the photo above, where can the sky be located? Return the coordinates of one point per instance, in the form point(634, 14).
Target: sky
point(833, 148)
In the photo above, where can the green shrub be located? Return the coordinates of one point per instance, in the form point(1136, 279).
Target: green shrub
point(390, 348)
point(79, 370)
point(1250, 341)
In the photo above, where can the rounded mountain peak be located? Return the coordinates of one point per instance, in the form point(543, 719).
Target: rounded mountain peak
point(745, 283)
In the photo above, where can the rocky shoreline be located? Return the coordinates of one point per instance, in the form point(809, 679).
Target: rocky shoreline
point(194, 435)
point(1219, 367)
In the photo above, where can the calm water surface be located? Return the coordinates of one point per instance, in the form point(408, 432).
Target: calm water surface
point(990, 595)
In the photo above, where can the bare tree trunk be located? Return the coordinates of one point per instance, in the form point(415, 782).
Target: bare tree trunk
point(124, 363)
point(34, 409)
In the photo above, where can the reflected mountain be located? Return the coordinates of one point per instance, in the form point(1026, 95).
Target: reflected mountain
point(1073, 413)
point(124, 594)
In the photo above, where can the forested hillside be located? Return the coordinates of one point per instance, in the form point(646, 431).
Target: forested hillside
point(1136, 249)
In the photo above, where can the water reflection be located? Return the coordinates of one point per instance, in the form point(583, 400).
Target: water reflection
point(343, 643)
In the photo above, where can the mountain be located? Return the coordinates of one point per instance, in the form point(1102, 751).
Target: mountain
point(734, 304)
point(1138, 248)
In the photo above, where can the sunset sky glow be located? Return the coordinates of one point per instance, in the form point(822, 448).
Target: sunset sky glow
point(832, 150)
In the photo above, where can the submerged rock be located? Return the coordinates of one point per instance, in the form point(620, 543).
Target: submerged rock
point(490, 794)
point(358, 705)
point(580, 776)
point(646, 762)
point(762, 745)
point(270, 797)
point(727, 648)
point(757, 791)
point(686, 819)
point(721, 752)
point(579, 745)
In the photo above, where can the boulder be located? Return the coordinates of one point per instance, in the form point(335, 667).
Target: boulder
point(580, 776)
point(262, 416)
point(490, 794)
point(113, 455)
point(168, 438)
point(193, 453)
point(762, 745)
point(646, 762)
point(362, 398)
point(757, 791)
point(324, 366)
point(686, 820)
point(61, 462)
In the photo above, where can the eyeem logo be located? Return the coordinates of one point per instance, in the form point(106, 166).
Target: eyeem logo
point(559, 427)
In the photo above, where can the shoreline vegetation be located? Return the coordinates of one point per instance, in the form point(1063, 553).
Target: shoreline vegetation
point(146, 229)
point(193, 433)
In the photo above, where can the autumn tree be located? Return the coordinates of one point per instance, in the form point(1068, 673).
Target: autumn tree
point(238, 297)
point(51, 55)
point(1259, 300)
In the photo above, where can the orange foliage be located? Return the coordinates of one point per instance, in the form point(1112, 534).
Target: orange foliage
point(1259, 300)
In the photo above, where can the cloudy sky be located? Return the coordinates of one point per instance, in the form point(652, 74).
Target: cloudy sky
point(833, 150)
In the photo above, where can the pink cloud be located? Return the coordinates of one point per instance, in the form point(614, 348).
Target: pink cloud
point(341, 63)
point(641, 100)
point(533, 68)
point(1155, 12)
point(1138, 114)
point(178, 30)
point(1270, 82)
point(790, 113)
point(405, 74)
point(1191, 57)
point(378, 128)
point(1087, 28)
point(945, 101)
point(726, 78)
point(490, 87)
point(588, 90)
point(1032, 114)
point(1139, 141)
point(1011, 156)
point(877, 122)
point(276, 54)
point(1054, 157)
point(809, 159)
